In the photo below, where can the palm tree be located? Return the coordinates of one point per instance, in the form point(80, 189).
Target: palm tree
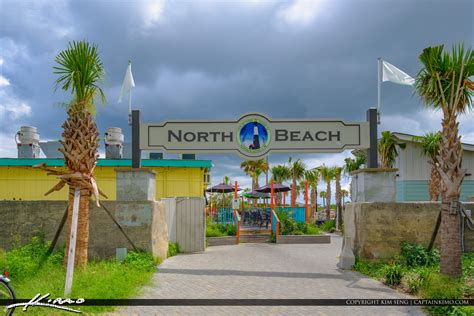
point(297, 169)
point(337, 176)
point(80, 72)
point(322, 195)
point(430, 143)
point(250, 167)
point(444, 83)
point(344, 194)
point(312, 176)
point(327, 174)
point(351, 165)
point(226, 180)
point(387, 147)
point(280, 173)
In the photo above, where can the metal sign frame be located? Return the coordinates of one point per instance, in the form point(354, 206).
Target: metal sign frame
point(270, 135)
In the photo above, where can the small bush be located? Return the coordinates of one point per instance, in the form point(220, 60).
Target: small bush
point(289, 226)
point(213, 231)
point(140, 260)
point(173, 249)
point(219, 230)
point(312, 229)
point(25, 260)
point(415, 255)
point(412, 282)
point(393, 274)
point(328, 226)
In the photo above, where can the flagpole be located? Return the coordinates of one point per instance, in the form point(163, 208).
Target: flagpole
point(130, 101)
point(379, 87)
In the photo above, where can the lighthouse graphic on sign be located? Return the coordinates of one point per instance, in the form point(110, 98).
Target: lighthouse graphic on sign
point(253, 136)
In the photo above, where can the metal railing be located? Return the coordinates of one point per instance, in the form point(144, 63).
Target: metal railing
point(275, 224)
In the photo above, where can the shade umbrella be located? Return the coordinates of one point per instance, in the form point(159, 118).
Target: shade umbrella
point(222, 188)
point(277, 187)
point(256, 195)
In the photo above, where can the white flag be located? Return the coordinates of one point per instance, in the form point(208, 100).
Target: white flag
point(128, 82)
point(393, 74)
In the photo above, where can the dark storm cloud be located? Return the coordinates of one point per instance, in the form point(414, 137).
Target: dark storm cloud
point(203, 59)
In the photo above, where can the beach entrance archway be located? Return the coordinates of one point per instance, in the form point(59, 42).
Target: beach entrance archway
point(255, 135)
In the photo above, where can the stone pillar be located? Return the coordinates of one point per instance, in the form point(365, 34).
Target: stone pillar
point(374, 185)
point(135, 184)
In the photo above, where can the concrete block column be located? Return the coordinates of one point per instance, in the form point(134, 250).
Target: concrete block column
point(135, 184)
point(374, 185)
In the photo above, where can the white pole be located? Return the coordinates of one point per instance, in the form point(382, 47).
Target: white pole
point(72, 243)
point(379, 87)
point(130, 100)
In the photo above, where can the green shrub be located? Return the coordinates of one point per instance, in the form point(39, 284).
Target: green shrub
point(213, 231)
point(219, 230)
point(412, 282)
point(328, 226)
point(414, 255)
point(289, 226)
point(231, 230)
point(173, 249)
point(23, 261)
point(393, 274)
point(312, 229)
point(140, 260)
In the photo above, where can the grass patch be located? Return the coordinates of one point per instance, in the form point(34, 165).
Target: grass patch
point(173, 249)
point(416, 271)
point(31, 274)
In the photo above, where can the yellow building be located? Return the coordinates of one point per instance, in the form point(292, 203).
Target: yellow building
point(20, 181)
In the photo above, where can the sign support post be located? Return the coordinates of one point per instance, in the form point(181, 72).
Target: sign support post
point(372, 154)
point(136, 150)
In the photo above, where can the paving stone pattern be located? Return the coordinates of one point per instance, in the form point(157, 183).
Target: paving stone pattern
point(265, 271)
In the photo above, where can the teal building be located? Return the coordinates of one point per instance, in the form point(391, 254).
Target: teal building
point(414, 171)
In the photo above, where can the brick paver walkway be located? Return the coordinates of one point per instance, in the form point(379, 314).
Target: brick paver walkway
point(265, 271)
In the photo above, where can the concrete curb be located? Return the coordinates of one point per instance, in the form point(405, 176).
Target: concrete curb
point(303, 239)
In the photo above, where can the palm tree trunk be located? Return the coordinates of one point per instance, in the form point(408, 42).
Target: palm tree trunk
point(313, 203)
point(434, 184)
point(82, 240)
point(293, 193)
point(328, 200)
point(338, 203)
point(450, 160)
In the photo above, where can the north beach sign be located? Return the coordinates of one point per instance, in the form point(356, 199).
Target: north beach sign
point(254, 135)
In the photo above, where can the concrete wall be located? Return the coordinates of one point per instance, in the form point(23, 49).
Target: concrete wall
point(377, 229)
point(373, 185)
point(143, 221)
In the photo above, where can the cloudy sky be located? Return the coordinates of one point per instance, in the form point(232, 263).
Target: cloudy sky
point(219, 59)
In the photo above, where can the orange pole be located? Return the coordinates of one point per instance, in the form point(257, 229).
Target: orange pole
point(272, 195)
point(284, 198)
point(306, 200)
point(293, 200)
